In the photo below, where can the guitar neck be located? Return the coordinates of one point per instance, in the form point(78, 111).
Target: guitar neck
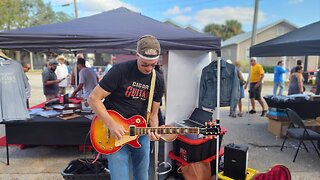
point(163, 130)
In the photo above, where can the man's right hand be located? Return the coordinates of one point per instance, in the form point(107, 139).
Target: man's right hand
point(60, 80)
point(117, 130)
point(245, 85)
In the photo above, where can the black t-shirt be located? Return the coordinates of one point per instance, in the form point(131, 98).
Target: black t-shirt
point(129, 89)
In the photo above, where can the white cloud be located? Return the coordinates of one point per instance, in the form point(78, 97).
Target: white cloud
point(176, 10)
point(187, 9)
point(219, 15)
point(295, 1)
point(97, 6)
point(182, 19)
point(173, 11)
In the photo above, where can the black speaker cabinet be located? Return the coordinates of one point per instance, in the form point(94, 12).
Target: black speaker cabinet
point(235, 161)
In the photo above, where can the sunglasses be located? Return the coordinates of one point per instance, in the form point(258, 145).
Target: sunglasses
point(147, 65)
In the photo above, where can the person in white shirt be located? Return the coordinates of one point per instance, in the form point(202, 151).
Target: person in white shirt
point(62, 72)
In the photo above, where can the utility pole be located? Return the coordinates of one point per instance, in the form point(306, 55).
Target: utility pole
point(253, 41)
point(254, 25)
point(75, 8)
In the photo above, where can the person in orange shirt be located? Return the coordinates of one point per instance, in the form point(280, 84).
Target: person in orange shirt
point(255, 78)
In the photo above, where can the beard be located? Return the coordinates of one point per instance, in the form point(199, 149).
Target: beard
point(53, 68)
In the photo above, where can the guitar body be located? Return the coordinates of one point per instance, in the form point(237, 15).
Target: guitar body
point(104, 143)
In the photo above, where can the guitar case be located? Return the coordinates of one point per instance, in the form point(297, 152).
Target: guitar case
point(278, 172)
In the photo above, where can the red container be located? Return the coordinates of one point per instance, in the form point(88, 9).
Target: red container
point(191, 150)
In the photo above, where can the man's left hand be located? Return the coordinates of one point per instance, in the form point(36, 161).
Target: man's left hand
point(73, 95)
point(153, 136)
point(257, 85)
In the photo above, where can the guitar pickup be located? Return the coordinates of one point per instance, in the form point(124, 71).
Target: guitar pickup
point(132, 129)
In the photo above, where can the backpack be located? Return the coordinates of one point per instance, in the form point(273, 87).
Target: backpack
point(83, 166)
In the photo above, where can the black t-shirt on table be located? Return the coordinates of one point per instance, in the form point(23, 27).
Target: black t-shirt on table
point(129, 89)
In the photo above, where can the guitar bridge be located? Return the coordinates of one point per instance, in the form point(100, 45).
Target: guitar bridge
point(132, 129)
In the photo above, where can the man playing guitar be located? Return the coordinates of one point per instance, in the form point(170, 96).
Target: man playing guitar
point(125, 89)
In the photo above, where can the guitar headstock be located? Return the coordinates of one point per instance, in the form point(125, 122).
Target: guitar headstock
point(210, 128)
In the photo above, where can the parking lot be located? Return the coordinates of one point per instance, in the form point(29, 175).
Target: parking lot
point(46, 162)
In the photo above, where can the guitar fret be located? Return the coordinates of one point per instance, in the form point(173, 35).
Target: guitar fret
point(166, 130)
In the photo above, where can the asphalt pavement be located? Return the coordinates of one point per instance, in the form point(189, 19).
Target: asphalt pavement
point(47, 162)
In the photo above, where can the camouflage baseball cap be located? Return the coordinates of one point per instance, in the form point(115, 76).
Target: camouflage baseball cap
point(53, 62)
point(148, 47)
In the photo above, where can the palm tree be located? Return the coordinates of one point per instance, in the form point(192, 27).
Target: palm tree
point(224, 31)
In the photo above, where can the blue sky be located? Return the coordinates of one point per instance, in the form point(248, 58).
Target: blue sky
point(198, 13)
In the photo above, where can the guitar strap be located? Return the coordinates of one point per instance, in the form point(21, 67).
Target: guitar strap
point(153, 82)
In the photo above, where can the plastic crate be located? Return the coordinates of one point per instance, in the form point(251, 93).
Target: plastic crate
point(194, 150)
point(73, 170)
point(177, 162)
point(250, 174)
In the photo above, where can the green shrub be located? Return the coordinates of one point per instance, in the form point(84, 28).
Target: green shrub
point(268, 69)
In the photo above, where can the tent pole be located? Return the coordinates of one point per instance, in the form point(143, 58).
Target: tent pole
point(156, 160)
point(76, 69)
point(248, 87)
point(218, 114)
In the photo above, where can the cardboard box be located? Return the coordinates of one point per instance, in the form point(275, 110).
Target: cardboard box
point(278, 128)
point(313, 124)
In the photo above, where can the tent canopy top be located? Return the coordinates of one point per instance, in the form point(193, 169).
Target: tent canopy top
point(115, 29)
point(300, 42)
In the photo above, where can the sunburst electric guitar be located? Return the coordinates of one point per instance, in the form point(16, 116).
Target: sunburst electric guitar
point(104, 143)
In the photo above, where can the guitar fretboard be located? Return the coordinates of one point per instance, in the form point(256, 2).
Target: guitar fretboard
point(166, 130)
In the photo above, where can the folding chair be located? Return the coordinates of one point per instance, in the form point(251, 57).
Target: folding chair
point(298, 131)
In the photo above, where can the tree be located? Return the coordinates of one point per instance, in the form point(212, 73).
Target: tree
point(224, 31)
point(26, 13)
point(214, 29)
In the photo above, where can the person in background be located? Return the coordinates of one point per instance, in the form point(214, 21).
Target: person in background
point(88, 79)
point(26, 68)
point(242, 82)
point(296, 81)
point(50, 81)
point(75, 73)
point(62, 73)
point(318, 82)
point(69, 65)
point(108, 67)
point(125, 89)
point(293, 70)
point(255, 78)
point(278, 78)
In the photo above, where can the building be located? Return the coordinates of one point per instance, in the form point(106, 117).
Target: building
point(237, 47)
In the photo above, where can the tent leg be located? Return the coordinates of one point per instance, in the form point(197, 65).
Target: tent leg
point(7, 148)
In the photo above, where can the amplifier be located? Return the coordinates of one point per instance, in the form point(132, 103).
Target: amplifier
point(235, 161)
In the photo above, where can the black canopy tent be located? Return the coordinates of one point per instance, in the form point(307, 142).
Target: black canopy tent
point(115, 29)
point(304, 41)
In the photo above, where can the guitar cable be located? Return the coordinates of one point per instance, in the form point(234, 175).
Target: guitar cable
point(84, 150)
